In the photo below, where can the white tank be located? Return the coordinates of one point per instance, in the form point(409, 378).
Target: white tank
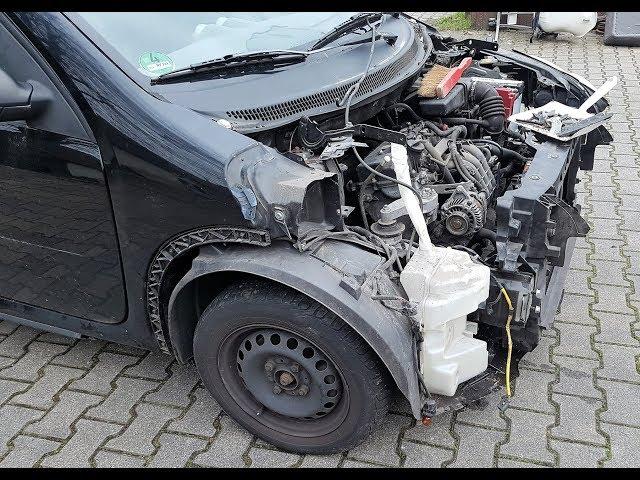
point(577, 23)
point(447, 285)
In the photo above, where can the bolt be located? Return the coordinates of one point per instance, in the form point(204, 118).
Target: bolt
point(537, 309)
point(303, 390)
point(295, 368)
point(286, 379)
point(268, 367)
point(276, 389)
point(279, 214)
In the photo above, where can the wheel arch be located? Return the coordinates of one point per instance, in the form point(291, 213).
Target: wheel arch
point(385, 331)
point(173, 259)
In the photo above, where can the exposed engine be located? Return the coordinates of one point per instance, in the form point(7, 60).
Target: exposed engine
point(455, 158)
point(468, 168)
point(463, 156)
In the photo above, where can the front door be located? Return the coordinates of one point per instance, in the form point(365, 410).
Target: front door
point(58, 247)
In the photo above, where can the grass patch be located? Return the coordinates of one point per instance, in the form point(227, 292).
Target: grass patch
point(455, 21)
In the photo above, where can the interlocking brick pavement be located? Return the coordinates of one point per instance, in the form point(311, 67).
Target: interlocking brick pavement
point(65, 402)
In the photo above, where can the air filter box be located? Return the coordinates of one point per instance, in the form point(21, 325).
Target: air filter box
point(439, 107)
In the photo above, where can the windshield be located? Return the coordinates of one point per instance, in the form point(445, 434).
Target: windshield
point(160, 42)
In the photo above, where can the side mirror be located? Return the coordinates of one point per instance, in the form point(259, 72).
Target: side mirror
point(20, 101)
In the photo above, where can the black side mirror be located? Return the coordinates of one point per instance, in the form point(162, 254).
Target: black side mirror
point(20, 101)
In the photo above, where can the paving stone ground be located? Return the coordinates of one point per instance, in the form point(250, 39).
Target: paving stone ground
point(576, 403)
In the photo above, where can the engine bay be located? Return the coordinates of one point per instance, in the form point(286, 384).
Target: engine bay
point(486, 186)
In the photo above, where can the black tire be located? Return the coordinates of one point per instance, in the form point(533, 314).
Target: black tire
point(255, 305)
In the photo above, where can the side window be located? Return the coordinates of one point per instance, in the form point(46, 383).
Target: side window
point(22, 62)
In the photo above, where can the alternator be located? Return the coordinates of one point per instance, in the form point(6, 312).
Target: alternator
point(464, 212)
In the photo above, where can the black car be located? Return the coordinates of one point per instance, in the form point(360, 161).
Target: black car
point(228, 188)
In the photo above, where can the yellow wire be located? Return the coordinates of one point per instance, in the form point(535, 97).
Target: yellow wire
point(509, 343)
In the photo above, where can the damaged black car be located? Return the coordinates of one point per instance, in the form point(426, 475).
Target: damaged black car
point(318, 209)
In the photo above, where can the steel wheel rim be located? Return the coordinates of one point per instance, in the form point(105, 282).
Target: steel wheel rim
point(239, 376)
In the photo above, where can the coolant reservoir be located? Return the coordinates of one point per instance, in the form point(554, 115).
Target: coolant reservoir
point(447, 285)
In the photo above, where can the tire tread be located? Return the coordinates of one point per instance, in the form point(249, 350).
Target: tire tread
point(265, 291)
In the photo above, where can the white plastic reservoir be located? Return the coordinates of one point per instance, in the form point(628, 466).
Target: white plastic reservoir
point(447, 285)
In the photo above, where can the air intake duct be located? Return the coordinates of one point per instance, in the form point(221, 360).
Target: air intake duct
point(491, 106)
point(491, 111)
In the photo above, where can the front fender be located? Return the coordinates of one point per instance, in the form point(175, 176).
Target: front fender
point(319, 276)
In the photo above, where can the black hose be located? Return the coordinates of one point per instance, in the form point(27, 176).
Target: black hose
point(404, 106)
point(463, 120)
point(489, 142)
point(516, 135)
point(504, 151)
point(460, 130)
point(486, 233)
point(472, 253)
point(432, 126)
point(491, 106)
point(512, 153)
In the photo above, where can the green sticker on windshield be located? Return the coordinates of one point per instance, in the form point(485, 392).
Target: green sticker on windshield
point(155, 63)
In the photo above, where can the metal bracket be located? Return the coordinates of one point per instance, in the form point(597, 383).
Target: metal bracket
point(380, 134)
point(337, 146)
point(475, 44)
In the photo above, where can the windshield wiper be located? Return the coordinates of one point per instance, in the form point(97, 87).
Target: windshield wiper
point(251, 59)
point(357, 21)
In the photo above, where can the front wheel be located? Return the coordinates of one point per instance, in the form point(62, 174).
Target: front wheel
point(289, 370)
